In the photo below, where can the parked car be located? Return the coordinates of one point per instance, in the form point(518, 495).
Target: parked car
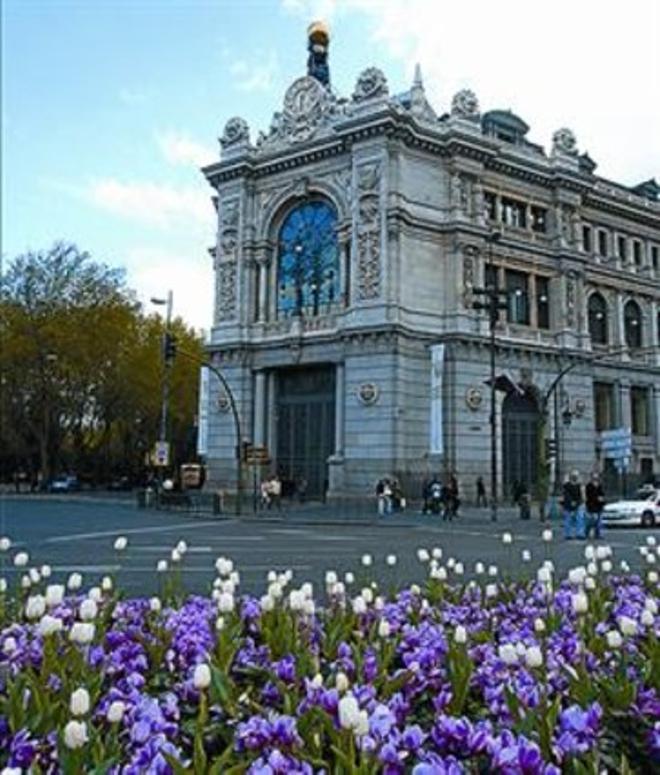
point(64, 483)
point(643, 511)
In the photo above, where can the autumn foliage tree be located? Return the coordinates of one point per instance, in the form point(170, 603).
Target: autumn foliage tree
point(81, 369)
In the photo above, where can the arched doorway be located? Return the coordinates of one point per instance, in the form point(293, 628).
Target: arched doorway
point(520, 427)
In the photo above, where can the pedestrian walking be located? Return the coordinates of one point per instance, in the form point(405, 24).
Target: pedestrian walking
point(595, 502)
point(481, 492)
point(454, 500)
point(573, 507)
point(275, 490)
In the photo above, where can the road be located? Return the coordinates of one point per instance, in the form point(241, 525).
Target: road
point(77, 534)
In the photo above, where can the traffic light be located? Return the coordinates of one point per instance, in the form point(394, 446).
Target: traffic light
point(169, 347)
point(550, 448)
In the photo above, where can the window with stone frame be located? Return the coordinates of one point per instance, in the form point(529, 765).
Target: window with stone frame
point(632, 324)
point(586, 239)
point(603, 406)
point(602, 243)
point(517, 287)
point(622, 247)
point(308, 268)
point(514, 213)
point(639, 410)
point(490, 201)
point(543, 302)
point(539, 219)
point(597, 318)
point(637, 253)
point(654, 257)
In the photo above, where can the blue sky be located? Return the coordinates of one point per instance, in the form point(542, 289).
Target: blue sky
point(109, 107)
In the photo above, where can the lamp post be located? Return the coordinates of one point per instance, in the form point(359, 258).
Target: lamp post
point(167, 362)
point(493, 304)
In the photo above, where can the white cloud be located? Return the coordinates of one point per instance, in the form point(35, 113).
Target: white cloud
point(152, 271)
point(178, 148)
point(594, 69)
point(257, 74)
point(153, 204)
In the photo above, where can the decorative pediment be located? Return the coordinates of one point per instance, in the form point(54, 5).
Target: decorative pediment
point(309, 108)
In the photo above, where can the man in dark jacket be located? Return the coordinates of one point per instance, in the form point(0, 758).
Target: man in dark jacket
point(595, 501)
point(573, 506)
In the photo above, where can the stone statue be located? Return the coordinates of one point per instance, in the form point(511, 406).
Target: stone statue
point(465, 104)
point(564, 143)
point(236, 132)
point(318, 41)
point(370, 85)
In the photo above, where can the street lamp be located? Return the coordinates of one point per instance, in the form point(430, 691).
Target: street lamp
point(493, 303)
point(167, 362)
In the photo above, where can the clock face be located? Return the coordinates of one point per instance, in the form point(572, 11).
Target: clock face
point(303, 97)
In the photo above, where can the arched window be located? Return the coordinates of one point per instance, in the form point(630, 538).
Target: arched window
point(597, 313)
point(632, 324)
point(308, 260)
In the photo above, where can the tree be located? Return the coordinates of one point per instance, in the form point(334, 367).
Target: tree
point(80, 368)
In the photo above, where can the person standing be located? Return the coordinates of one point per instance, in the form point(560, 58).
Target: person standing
point(481, 492)
point(595, 501)
point(573, 507)
point(454, 500)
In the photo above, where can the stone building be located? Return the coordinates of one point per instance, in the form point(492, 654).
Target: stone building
point(351, 237)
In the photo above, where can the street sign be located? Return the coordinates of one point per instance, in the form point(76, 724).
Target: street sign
point(616, 444)
point(161, 456)
point(256, 455)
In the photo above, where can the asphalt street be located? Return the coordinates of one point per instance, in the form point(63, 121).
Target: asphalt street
point(77, 534)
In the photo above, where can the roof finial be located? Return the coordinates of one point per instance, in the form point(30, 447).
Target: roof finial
point(318, 42)
point(417, 80)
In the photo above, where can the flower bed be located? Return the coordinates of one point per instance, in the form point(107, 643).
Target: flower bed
point(487, 675)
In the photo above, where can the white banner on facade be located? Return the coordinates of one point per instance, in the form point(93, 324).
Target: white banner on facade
point(437, 368)
point(203, 412)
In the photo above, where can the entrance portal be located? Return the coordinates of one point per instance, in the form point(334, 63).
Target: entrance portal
point(305, 427)
point(520, 426)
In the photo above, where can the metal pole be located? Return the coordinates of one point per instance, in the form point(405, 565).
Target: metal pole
point(493, 419)
point(166, 373)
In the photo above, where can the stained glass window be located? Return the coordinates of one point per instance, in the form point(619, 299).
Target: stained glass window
point(308, 265)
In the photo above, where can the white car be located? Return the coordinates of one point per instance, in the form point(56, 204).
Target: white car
point(643, 511)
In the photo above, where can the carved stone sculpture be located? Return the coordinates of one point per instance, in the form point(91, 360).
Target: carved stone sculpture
point(225, 298)
point(368, 232)
point(236, 133)
point(465, 104)
point(370, 85)
point(564, 143)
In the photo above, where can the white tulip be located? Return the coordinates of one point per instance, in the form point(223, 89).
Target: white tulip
point(650, 540)
point(460, 634)
point(603, 552)
point(451, 562)
point(623, 565)
point(614, 639)
point(577, 575)
point(3, 586)
point(9, 646)
point(580, 603)
point(75, 734)
point(547, 535)
point(361, 727)
point(349, 577)
point(79, 703)
point(121, 542)
point(46, 571)
point(533, 657)
point(330, 578)
point(35, 607)
point(271, 576)
point(227, 586)
point(48, 625)
point(459, 570)
point(651, 605)
point(359, 605)
point(539, 625)
point(647, 618)
point(308, 607)
point(492, 570)
point(367, 595)
point(275, 590)
point(436, 552)
point(106, 584)
point(74, 582)
point(21, 559)
point(439, 573)
point(220, 624)
point(391, 559)
point(26, 582)
point(606, 566)
point(5, 544)
point(317, 681)
point(651, 559)
point(643, 550)
point(235, 578)
point(307, 589)
point(202, 677)
point(491, 590)
point(88, 610)
point(384, 628)
point(592, 569)
point(82, 633)
point(507, 538)
point(35, 576)
point(155, 605)
point(341, 682)
point(479, 568)
point(175, 556)
point(182, 547)
point(543, 575)
point(508, 653)
point(225, 603)
point(116, 712)
point(296, 600)
point(589, 552)
point(652, 577)
point(627, 625)
point(266, 603)
point(423, 555)
point(367, 560)
point(161, 566)
point(95, 594)
point(526, 555)
point(224, 566)
point(590, 583)
point(415, 589)
point(349, 712)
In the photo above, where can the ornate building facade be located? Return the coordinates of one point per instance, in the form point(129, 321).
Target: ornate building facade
point(351, 237)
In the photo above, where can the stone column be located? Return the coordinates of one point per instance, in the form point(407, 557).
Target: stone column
point(624, 404)
point(271, 413)
point(259, 407)
point(340, 401)
point(532, 302)
point(619, 330)
point(656, 418)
